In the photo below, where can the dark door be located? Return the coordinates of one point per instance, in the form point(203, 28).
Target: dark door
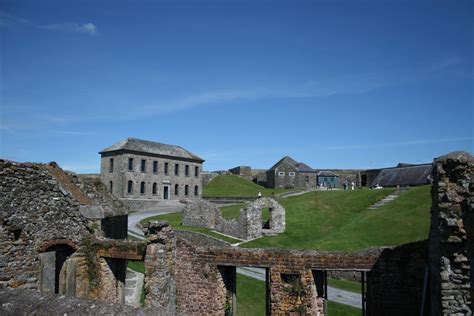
point(166, 192)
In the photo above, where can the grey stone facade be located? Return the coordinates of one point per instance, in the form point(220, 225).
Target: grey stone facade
point(142, 172)
point(248, 225)
point(289, 174)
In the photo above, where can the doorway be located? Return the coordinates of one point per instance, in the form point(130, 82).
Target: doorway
point(166, 192)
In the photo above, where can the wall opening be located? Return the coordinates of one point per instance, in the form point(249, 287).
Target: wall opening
point(52, 262)
point(247, 290)
point(266, 216)
point(16, 233)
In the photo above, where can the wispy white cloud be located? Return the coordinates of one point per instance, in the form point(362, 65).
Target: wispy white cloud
point(85, 28)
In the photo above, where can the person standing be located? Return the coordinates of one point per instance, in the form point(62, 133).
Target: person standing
point(352, 185)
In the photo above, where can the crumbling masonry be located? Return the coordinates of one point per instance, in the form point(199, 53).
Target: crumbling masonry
point(248, 225)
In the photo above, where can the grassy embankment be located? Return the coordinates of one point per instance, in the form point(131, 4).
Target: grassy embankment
point(231, 185)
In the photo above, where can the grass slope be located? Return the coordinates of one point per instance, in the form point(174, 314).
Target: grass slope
point(250, 296)
point(231, 185)
point(175, 221)
point(351, 286)
point(340, 220)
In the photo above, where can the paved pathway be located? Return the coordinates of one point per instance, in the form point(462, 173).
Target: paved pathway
point(165, 207)
point(334, 294)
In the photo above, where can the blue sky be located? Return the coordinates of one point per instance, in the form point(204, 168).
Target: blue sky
point(336, 84)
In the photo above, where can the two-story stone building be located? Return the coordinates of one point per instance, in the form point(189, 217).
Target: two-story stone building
point(287, 173)
point(141, 172)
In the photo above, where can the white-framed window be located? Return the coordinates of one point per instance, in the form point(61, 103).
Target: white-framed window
point(291, 174)
point(281, 173)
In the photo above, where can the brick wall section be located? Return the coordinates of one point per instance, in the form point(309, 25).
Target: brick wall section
point(395, 286)
point(200, 273)
point(200, 284)
point(450, 245)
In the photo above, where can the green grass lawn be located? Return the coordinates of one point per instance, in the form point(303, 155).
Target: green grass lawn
point(351, 286)
point(175, 221)
point(340, 220)
point(250, 296)
point(336, 309)
point(231, 185)
point(251, 299)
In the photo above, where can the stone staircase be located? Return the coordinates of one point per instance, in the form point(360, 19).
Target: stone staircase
point(389, 198)
point(133, 288)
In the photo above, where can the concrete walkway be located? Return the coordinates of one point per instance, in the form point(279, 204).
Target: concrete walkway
point(164, 207)
point(334, 294)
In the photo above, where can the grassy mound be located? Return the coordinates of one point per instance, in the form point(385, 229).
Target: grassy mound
point(231, 185)
point(340, 220)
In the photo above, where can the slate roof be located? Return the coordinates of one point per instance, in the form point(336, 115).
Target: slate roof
point(287, 160)
point(403, 176)
point(302, 167)
point(149, 147)
point(327, 173)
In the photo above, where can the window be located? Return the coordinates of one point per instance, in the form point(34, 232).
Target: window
point(186, 190)
point(130, 164)
point(111, 186)
point(155, 166)
point(196, 190)
point(281, 174)
point(130, 187)
point(306, 179)
point(154, 188)
point(111, 165)
point(176, 189)
point(142, 188)
point(143, 165)
point(291, 174)
point(186, 170)
point(196, 171)
point(176, 169)
point(166, 168)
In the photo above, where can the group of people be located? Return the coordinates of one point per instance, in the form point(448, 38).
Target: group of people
point(346, 185)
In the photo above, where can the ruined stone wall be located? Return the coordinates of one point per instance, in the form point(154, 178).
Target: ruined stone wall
point(200, 284)
point(297, 295)
point(34, 209)
point(48, 215)
point(160, 266)
point(248, 225)
point(201, 271)
point(450, 244)
point(395, 285)
point(200, 213)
